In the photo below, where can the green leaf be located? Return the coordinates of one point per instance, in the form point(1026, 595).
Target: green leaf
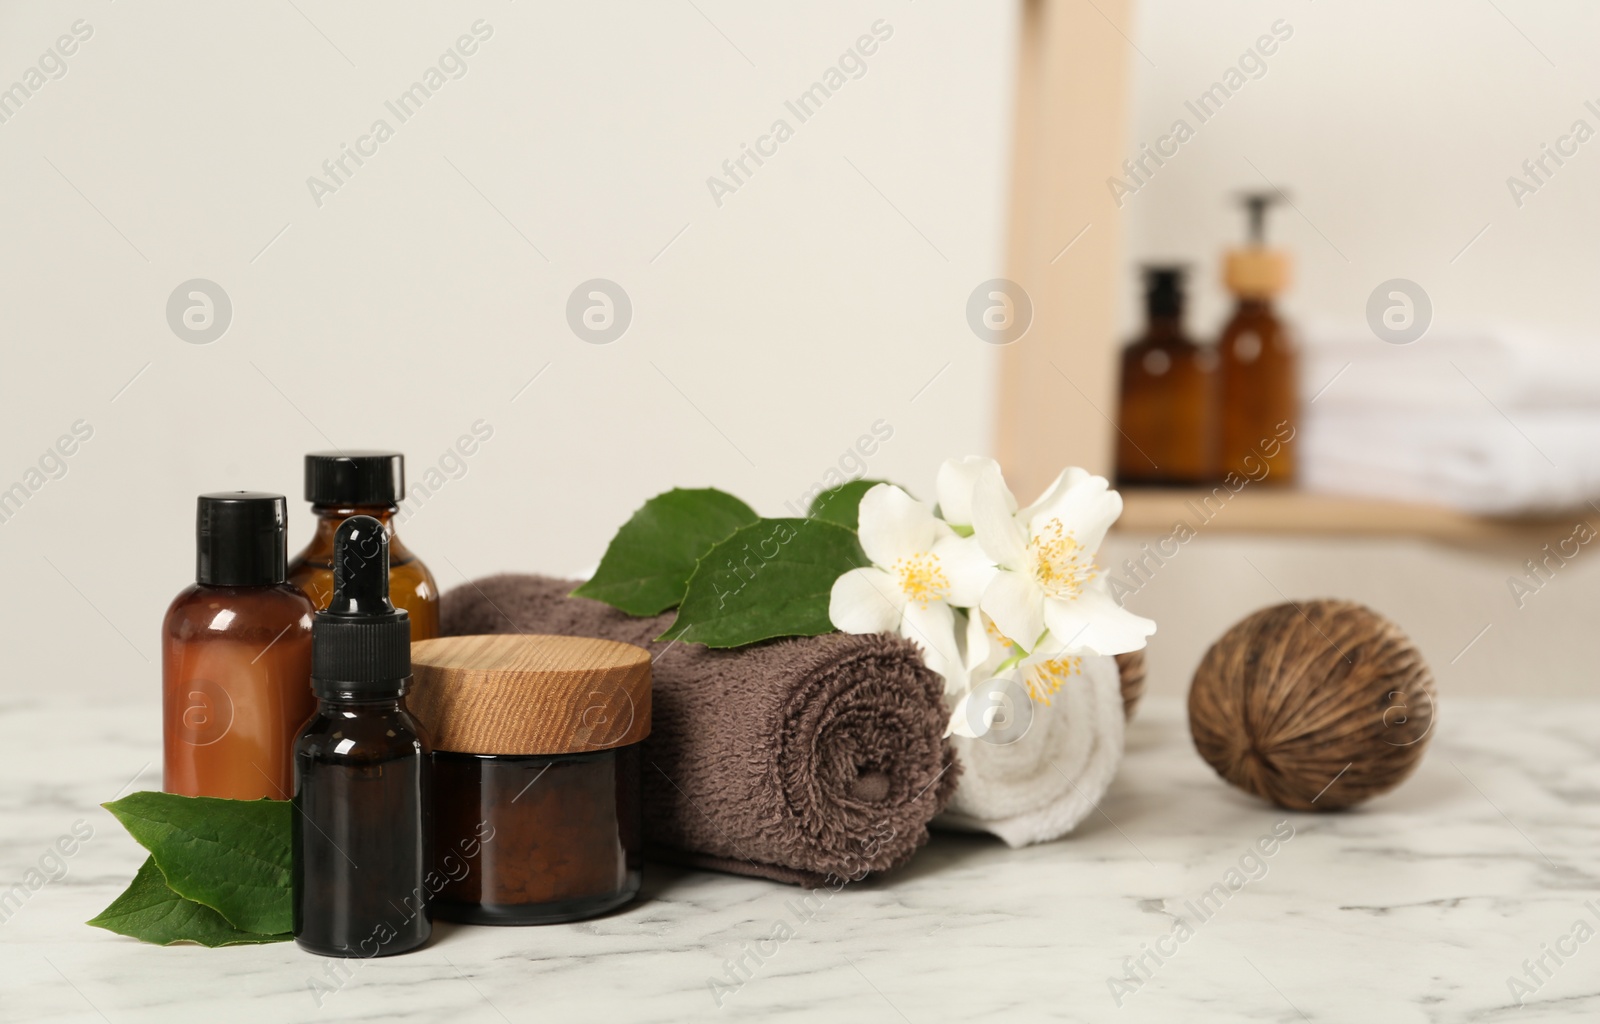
point(231, 855)
point(648, 563)
point(150, 911)
point(770, 579)
point(840, 504)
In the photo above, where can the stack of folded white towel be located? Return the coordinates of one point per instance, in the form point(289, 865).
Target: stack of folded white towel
point(1490, 422)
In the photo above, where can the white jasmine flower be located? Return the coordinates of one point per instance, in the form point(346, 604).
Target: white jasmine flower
point(990, 653)
point(1048, 579)
point(956, 481)
point(921, 569)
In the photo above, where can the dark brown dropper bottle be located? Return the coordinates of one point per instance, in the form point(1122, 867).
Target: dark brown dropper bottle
point(1167, 432)
point(361, 778)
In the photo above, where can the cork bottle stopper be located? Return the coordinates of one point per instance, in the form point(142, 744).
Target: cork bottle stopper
point(1256, 272)
point(518, 694)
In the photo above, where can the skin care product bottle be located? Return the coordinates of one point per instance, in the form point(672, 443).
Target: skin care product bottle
point(367, 483)
point(1168, 412)
point(236, 656)
point(1260, 401)
point(361, 769)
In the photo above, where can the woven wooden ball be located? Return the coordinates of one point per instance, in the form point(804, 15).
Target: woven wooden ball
point(1314, 706)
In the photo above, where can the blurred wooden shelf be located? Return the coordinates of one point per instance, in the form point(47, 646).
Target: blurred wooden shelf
point(1260, 510)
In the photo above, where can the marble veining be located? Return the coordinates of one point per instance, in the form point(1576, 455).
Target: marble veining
point(1421, 906)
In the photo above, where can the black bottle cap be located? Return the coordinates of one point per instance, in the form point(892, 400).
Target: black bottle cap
point(241, 539)
point(355, 478)
point(361, 643)
point(1163, 290)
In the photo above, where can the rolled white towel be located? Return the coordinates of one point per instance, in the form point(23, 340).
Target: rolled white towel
point(1039, 787)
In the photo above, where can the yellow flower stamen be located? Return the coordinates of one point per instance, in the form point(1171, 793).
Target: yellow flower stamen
point(1060, 565)
point(922, 579)
point(1047, 677)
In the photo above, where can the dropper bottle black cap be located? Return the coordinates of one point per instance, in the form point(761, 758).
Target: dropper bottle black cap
point(1163, 289)
point(361, 643)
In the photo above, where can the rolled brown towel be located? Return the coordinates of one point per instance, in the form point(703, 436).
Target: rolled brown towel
point(793, 760)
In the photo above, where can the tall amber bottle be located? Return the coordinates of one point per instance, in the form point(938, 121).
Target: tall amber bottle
point(365, 483)
point(1168, 404)
point(1259, 374)
point(236, 656)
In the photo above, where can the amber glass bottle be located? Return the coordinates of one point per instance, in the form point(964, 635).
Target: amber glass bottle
point(236, 656)
point(1168, 404)
point(366, 483)
point(1259, 374)
point(362, 782)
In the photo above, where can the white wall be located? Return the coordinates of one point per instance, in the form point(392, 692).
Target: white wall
point(768, 333)
point(1393, 127)
point(796, 314)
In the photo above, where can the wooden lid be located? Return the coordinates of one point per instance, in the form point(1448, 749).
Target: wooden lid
point(517, 694)
point(1256, 272)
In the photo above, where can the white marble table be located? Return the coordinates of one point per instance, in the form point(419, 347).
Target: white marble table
point(1417, 908)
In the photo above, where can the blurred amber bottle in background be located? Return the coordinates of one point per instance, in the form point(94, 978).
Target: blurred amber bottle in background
point(1167, 413)
point(363, 483)
point(1260, 402)
point(236, 657)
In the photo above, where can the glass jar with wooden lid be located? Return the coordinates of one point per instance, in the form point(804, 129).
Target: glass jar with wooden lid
point(536, 766)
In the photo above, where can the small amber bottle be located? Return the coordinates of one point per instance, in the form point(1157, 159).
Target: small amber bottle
point(362, 783)
point(1259, 379)
point(236, 656)
point(1168, 407)
point(367, 483)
